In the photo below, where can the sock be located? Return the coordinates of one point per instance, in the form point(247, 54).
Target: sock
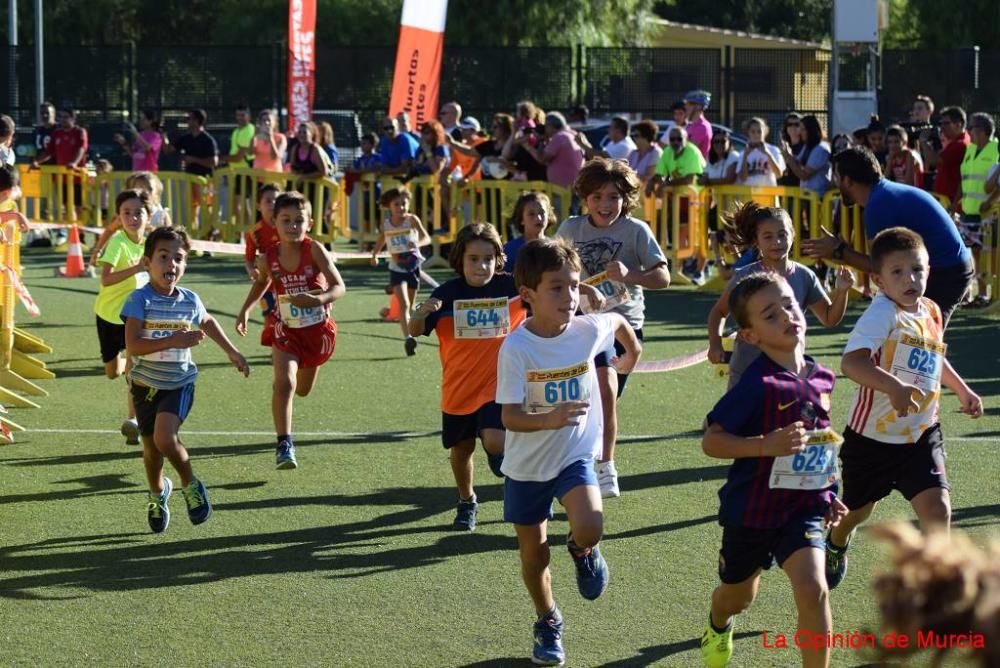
point(471, 499)
point(575, 549)
point(284, 437)
point(717, 629)
point(552, 614)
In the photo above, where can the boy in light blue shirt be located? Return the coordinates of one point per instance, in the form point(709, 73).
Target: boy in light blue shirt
point(159, 321)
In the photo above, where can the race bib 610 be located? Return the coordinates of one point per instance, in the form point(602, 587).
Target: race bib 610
point(548, 388)
point(298, 317)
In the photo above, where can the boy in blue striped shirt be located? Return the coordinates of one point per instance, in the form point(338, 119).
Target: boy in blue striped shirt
point(162, 323)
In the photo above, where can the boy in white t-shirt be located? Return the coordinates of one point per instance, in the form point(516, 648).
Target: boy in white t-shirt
point(896, 355)
point(546, 383)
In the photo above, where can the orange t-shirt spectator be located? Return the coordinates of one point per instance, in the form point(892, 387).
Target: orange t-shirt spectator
point(469, 164)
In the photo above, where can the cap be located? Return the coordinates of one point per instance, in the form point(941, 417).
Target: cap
point(470, 123)
point(699, 97)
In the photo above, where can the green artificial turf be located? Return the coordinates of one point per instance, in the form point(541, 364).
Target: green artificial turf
point(349, 561)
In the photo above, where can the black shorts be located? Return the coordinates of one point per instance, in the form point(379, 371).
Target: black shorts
point(150, 401)
point(458, 428)
point(602, 360)
point(746, 549)
point(947, 287)
point(111, 337)
point(411, 278)
point(872, 469)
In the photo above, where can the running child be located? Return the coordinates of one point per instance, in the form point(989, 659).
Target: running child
point(547, 384)
point(896, 355)
point(768, 231)
point(620, 257)
point(533, 214)
point(163, 321)
point(780, 492)
point(403, 234)
point(159, 216)
point(471, 314)
point(300, 331)
point(10, 192)
point(262, 237)
point(122, 272)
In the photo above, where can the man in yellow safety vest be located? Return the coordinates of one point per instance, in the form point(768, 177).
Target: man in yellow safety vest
point(980, 156)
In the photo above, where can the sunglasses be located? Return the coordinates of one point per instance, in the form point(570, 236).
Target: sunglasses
point(719, 141)
point(387, 127)
point(794, 125)
point(676, 140)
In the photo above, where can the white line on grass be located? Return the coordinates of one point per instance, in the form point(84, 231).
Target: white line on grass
point(417, 434)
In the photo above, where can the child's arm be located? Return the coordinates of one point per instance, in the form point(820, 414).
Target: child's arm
point(257, 290)
point(137, 345)
point(719, 443)
point(417, 318)
point(716, 322)
point(515, 418)
point(858, 366)
point(971, 403)
point(102, 241)
point(109, 276)
point(335, 283)
point(626, 336)
point(379, 245)
point(210, 327)
point(594, 296)
point(16, 216)
point(656, 277)
point(830, 313)
point(423, 239)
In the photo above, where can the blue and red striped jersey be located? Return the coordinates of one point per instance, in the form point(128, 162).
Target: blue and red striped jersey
point(769, 397)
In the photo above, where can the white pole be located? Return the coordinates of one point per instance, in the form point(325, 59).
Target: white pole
point(12, 53)
point(39, 63)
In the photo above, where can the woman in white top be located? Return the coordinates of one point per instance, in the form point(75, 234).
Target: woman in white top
point(760, 163)
point(723, 161)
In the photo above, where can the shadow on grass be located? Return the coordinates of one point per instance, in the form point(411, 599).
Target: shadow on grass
point(976, 516)
point(341, 551)
point(672, 477)
point(104, 485)
point(266, 444)
point(650, 655)
point(500, 663)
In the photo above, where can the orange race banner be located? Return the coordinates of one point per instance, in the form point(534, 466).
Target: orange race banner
point(417, 76)
point(301, 60)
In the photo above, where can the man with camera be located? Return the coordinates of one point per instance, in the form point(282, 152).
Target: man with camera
point(947, 160)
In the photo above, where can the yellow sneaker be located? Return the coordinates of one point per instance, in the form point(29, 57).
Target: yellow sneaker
point(717, 648)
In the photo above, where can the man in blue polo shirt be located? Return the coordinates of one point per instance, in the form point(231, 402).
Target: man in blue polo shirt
point(886, 204)
point(398, 149)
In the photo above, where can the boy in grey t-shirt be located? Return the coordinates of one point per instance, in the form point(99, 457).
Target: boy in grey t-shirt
point(620, 257)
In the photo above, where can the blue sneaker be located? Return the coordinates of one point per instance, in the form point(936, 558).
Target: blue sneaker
point(495, 462)
point(285, 456)
point(548, 649)
point(591, 571)
point(465, 515)
point(196, 497)
point(836, 562)
point(157, 512)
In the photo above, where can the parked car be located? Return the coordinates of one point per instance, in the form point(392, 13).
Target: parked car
point(596, 132)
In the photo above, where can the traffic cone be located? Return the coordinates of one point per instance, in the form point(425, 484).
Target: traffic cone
point(393, 313)
point(75, 267)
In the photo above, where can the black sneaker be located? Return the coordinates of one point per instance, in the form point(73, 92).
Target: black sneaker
point(836, 562)
point(410, 345)
point(465, 516)
point(157, 512)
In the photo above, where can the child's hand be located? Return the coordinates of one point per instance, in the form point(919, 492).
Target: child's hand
point(788, 440)
point(429, 306)
point(901, 398)
point(845, 278)
point(835, 513)
point(305, 300)
point(716, 353)
point(567, 414)
point(625, 363)
point(240, 363)
point(593, 296)
point(254, 274)
point(616, 271)
point(186, 338)
point(971, 403)
point(241, 322)
point(374, 261)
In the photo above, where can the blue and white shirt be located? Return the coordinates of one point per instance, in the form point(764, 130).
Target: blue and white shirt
point(162, 315)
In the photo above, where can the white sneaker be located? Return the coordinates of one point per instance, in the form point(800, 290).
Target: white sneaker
point(607, 477)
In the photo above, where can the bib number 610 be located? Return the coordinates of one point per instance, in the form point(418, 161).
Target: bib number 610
point(562, 391)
